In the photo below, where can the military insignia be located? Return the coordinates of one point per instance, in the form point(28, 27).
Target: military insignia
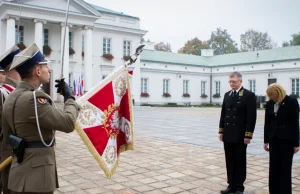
point(120, 86)
point(241, 93)
point(42, 100)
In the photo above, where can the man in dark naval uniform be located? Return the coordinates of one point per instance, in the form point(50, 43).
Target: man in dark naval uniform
point(237, 123)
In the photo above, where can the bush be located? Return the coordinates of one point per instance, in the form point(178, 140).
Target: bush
point(21, 46)
point(71, 51)
point(126, 58)
point(203, 96)
point(145, 94)
point(166, 95)
point(216, 96)
point(108, 56)
point(186, 95)
point(294, 95)
point(47, 50)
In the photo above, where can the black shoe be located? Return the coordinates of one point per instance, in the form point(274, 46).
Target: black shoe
point(239, 192)
point(227, 191)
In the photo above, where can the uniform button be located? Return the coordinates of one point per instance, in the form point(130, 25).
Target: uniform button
point(229, 109)
point(233, 124)
point(234, 117)
point(227, 116)
point(227, 123)
point(233, 109)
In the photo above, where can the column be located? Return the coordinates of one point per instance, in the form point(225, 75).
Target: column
point(88, 58)
point(65, 58)
point(38, 33)
point(10, 32)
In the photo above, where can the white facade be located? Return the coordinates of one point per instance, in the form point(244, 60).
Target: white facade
point(88, 26)
point(210, 80)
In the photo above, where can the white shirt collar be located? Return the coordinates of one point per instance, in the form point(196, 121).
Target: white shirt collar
point(238, 89)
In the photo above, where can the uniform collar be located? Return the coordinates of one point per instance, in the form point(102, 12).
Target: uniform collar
point(27, 85)
point(237, 91)
point(11, 81)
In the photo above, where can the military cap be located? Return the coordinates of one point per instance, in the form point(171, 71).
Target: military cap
point(28, 58)
point(8, 56)
point(1, 70)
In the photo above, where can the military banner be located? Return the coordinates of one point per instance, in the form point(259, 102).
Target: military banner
point(105, 122)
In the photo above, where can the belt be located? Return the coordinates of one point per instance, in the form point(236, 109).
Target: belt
point(38, 144)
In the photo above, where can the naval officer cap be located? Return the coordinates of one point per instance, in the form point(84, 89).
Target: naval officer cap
point(8, 56)
point(28, 58)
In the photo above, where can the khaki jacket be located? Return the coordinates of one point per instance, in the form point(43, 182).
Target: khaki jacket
point(4, 144)
point(37, 172)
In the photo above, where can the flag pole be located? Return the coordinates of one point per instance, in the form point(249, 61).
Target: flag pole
point(64, 43)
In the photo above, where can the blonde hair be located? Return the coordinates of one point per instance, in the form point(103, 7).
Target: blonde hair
point(277, 90)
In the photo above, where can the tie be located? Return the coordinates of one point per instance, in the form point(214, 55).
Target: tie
point(234, 93)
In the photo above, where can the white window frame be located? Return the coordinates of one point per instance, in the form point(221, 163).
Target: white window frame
point(186, 86)
point(252, 85)
point(203, 87)
point(218, 87)
point(166, 86)
point(70, 39)
point(144, 85)
point(46, 29)
point(21, 40)
point(295, 85)
point(106, 49)
point(126, 50)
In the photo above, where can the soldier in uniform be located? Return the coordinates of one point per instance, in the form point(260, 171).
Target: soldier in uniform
point(281, 138)
point(237, 123)
point(11, 80)
point(31, 115)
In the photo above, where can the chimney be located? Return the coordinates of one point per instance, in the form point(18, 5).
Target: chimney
point(207, 52)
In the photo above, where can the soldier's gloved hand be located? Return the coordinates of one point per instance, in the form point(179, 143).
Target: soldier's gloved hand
point(64, 89)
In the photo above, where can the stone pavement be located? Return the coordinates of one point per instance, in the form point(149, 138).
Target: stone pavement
point(176, 151)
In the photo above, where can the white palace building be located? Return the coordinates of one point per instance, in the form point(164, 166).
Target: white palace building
point(95, 35)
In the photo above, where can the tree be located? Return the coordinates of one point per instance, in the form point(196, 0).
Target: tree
point(161, 46)
point(194, 47)
point(254, 40)
point(285, 44)
point(221, 42)
point(296, 39)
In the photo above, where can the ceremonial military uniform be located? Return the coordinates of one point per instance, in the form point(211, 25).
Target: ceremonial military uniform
point(37, 172)
point(237, 122)
point(5, 89)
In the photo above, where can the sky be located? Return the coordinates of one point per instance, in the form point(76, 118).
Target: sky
point(177, 21)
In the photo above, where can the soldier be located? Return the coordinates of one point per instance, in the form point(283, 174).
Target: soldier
point(11, 80)
point(2, 76)
point(237, 123)
point(33, 169)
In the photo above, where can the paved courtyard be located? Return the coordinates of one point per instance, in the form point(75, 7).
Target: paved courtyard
point(176, 151)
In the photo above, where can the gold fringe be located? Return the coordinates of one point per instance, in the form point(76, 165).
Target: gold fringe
point(221, 130)
point(86, 140)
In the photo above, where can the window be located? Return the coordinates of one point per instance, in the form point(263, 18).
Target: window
point(252, 85)
point(295, 86)
point(218, 87)
point(144, 85)
point(126, 48)
point(166, 86)
point(46, 36)
point(185, 86)
point(82, 44)
point(19, 34)
point(70, 39)
point(203, 83)
point(106, 45)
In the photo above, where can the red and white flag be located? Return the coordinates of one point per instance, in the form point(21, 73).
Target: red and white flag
point(105, 121)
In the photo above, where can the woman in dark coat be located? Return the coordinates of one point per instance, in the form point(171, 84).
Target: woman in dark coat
point(281, 138)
